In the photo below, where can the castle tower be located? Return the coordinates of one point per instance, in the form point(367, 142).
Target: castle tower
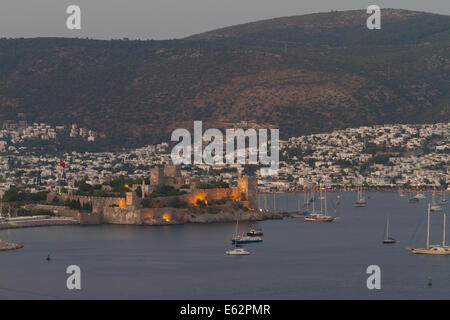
point(249, 187)
point(156, 176)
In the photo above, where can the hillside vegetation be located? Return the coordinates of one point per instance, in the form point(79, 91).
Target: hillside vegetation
point(301, 74)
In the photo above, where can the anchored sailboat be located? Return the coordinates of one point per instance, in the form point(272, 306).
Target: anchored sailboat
point(433, 249)
point(236, 250)
point(360, 200)
point(388, 239)
point(321, 216)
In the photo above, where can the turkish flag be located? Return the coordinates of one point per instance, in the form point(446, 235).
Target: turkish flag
point(62, 164)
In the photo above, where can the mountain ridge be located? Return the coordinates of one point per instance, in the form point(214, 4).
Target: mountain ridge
point(324, 78)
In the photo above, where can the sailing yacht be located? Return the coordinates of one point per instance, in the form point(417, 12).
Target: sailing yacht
point(237, 251)
point(322, 215)
point(387, 238)
point(300, 213)
point(434, 205)
point(360, 200)
point(433, 249)
point(240, 239)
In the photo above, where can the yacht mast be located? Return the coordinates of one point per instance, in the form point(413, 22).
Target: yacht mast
point(428, 228)
point(445, 222)
point(386, 236)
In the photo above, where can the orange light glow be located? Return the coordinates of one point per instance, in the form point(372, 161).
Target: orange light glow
point(197, 198)
point(166, 217)
point(150, 217)
point(121, 204)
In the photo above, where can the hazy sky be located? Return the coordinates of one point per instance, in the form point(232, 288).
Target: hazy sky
point(166, 19)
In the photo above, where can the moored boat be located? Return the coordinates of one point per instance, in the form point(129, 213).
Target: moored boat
point(255, 232)
point(360, 200)
point(245, 239)
point(441, 250)
point(387, 238)
point(237, 252)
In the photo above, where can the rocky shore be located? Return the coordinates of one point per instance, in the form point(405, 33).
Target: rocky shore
point(231, 217)
point(183, 216)
point(4, 246)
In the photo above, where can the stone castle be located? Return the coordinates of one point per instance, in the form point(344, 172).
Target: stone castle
point(129, 209)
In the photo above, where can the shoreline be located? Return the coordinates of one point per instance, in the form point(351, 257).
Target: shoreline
point(198, 219)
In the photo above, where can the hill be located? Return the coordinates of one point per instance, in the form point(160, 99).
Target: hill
point(303, 74)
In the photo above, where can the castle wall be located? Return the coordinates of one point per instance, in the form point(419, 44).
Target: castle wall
point(121, 216)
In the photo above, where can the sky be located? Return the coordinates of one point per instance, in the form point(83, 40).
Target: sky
point(168, 19)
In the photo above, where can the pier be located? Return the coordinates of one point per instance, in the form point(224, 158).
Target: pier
point(36, 221)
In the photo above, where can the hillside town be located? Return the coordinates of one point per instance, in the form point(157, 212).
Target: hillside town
point(379, 156)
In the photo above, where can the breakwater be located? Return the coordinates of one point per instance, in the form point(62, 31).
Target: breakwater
point(45, 222)
point(5, 246)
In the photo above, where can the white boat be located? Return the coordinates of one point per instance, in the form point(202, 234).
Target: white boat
point(420, 196)
point(433, 249)
point(360, 200)
point(237, 252)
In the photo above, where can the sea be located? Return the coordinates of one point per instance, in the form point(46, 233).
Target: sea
point(296, 260)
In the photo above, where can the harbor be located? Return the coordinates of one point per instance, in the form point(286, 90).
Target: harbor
point(295, 260)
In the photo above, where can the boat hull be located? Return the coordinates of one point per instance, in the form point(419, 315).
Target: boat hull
point(359, 204)
point(319, 219)
point(438, 251)
point(246, 240)
point(237, 253)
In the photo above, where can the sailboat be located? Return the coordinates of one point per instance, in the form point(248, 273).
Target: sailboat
point(321, 216)
point(300, 213)
point(434, 205)
point(433, 249)
point(236, 250)
point(240, 239)
point(443, 200)
point(387, 238)
point(360, 200)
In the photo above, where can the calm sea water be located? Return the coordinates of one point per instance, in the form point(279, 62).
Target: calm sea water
point(296, 260)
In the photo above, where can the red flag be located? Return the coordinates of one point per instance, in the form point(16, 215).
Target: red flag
point(62, 164)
